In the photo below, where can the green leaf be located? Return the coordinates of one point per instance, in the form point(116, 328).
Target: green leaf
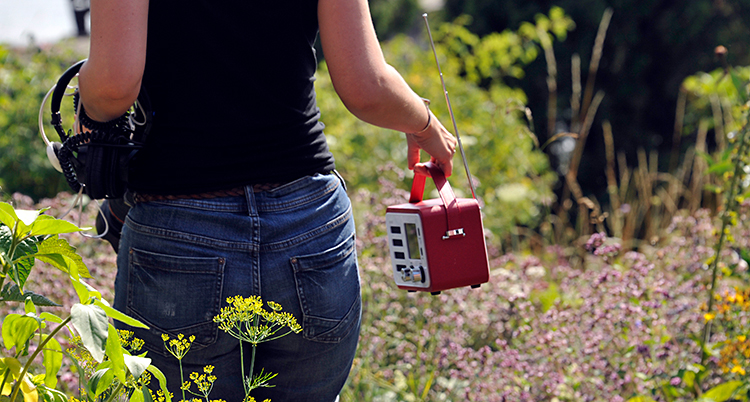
point(81, 288)
point(91, 323)
point(137, 365)
point(11, 293)
point(137, 396)
point(28, 306)
point(22, 259)
point(162, 380)
point(119, 316)
point(740, 86)
point(60, 254)
point(721, 392)
point(101, 381)
point(8, 215)
point(17, 330)
point(146, 394)
point(52, 362)
point(688, 379)
point(50, 317)
point(115, 352)
point(47, 225)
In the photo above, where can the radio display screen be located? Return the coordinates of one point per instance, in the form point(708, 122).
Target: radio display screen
point(412, 241)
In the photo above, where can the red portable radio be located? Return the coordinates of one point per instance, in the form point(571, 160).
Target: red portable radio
point(437, 244)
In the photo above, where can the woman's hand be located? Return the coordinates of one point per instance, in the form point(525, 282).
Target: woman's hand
point(437, 142)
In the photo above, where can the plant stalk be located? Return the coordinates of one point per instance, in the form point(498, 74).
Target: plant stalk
point(730, 204)
point(38, 350)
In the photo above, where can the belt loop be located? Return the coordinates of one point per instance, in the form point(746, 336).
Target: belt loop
point(343, 182)
point(252, 208)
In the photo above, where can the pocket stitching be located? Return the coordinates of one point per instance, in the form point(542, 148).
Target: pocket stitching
point(217, 273)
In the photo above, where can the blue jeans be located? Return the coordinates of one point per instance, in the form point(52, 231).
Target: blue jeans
point(180, 260)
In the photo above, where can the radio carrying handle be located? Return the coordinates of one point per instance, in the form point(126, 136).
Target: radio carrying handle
point(452, 210)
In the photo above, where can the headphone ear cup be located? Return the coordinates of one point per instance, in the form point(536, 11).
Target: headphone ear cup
point(52, 150)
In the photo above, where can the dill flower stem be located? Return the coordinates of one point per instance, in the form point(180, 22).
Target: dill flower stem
point(242, 367)
point(182, 380)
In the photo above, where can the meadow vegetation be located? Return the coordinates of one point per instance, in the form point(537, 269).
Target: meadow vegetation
point(638, 296)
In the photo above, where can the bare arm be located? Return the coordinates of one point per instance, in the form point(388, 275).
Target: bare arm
point(373, 90)
point(110, 80)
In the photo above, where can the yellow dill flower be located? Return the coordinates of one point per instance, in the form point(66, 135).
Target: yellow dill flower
point(738, 369)
point(178, 347)
point(709, 316)
point(741, 338)
point(247, 320)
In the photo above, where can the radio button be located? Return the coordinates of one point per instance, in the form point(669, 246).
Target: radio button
point(399, 267)
point(417, 276)
point(400, 255)
point(395, 229)
point(398, 243)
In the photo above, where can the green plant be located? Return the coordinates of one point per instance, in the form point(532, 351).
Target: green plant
point(246, 320)
point(512, 175)
point(724, 350)
point(28, 236)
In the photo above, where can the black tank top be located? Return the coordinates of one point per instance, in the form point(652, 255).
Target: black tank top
point(231, 86)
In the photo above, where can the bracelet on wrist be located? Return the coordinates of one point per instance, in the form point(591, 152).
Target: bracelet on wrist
point(91, 124)
point(429, 116)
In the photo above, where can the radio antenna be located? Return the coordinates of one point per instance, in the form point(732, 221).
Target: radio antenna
point(450, 109)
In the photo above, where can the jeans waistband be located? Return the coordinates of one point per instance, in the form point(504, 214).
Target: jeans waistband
point(232, 192)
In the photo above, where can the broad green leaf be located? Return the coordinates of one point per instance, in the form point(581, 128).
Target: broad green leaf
point(137, 396)
point(91, 323)
point(44, 227)
point(17, 330)
point(119, 316)
point(52, 362)
point(101, 380)
point(11, 293)
point(22, 259)
point(115, 352)
point(60, 254)
point(721, 392)
point(8, 215)
point(80, 287)
point(162, 380)
point(28, 306)
point(146, 394)
point(20, 271)
point(47, 316)
point(136, 364)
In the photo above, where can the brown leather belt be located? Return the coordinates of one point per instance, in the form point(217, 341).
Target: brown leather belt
point(234, 192)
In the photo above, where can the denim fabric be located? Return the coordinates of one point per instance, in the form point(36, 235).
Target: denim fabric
point(179, 261)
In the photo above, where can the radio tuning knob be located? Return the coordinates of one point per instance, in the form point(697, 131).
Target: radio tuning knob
point(416, 275)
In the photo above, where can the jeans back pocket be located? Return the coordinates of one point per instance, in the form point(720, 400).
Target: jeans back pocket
point(175, 294)
point(329, 292)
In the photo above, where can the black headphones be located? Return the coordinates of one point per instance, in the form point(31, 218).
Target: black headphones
point(97, 160)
